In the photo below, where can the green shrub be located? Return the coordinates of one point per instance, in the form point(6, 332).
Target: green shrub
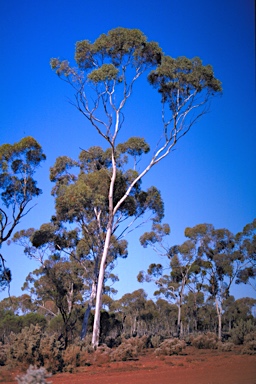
point(207, 340)
point(170, 347)
point(240, 330)
point(32, 347)
point(51, 350)
point(140, 343)
point(34, 376)
point(250, 344)
point(124, 352)
point(156, 340)
point(24, 347)
point(35, 319)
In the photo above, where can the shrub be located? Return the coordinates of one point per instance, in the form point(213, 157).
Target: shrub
point(140, 343)
point(170, 347)
point(124, 352)
point(3, 351)
point(207, 340)
point(250, 348)
point(24, 347)
point(51, 350)
point(240, 330)
point(226, 347)
point(34, 376)
point(71, 358)
point(156, 340)
point(250, 344)
point(102, 354)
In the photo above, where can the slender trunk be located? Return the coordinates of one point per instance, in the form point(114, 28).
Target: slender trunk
point(180, 305)
point(219, 313)
point(88, 311)
point(96, 324)
point(179, 319)
point(134, 328)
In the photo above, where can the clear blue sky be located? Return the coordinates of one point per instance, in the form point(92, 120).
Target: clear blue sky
point(209, 178)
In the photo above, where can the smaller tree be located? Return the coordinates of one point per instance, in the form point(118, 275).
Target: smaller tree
point(219, 260)
point(183, 268)
point(18, 163)
point(246, 241)
point(58, 281)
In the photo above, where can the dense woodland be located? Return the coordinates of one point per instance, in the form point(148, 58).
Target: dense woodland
point(69, 300)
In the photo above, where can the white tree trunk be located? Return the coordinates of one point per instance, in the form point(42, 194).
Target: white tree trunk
point(219, 313)
point(96, 324)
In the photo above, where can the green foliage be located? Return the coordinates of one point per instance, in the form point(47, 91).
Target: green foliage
point(18, 163)
point(9, 322)
point(25, 346)
point(240, 330)
point(105, 73)
point(35, 319)
point(179, 79)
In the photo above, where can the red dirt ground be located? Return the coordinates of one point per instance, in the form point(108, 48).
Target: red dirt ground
point(194, 367)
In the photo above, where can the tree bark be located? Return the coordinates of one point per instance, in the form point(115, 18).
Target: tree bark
point(219, 313)
point(96, 324)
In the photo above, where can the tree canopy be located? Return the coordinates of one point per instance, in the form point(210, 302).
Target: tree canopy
point(18, 164)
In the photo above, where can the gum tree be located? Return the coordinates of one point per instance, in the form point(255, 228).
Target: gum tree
point(220, 262)
point(18, 163)
point(103, 81)
point(246, 241)
point(183, 269)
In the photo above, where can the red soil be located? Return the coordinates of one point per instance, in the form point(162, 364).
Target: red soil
point(196, 367)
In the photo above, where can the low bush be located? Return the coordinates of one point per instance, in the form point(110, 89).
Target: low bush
point(250, 344)
point(207, 340)
point(225, 347)
point(102, 354)
point(140, 343)
point(51, 351)
point(125, 351)
point(170, 347)
point(250, 348)
point(71, 358)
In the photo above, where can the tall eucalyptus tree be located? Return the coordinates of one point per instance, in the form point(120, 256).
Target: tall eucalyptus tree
point(103, 81)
